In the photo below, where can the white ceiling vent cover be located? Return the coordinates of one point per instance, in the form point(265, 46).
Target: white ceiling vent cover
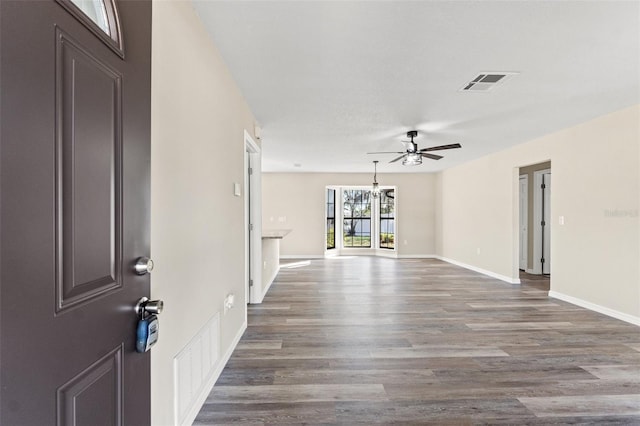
point(486, 81)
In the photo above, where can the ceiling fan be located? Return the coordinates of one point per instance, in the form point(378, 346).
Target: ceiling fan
point(413, 155)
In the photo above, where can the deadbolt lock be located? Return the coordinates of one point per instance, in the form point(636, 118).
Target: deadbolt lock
point(143, 265)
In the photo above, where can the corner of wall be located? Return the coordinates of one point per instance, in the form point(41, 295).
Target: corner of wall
point(439, 232)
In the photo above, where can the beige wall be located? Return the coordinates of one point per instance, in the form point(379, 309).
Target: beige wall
point(596, 185)
point(197, 229)
point(300, 198)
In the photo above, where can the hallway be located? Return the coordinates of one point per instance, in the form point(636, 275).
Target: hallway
point(360, 340)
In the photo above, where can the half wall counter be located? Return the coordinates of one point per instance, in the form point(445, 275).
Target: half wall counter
point(271, 255)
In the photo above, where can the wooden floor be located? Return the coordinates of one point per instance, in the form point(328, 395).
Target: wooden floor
point(371, 340)
point(541, 282)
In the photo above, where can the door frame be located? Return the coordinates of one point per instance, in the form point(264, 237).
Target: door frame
point(523, 248)
point(537, 219)
point(337, 205)
point(253, 215)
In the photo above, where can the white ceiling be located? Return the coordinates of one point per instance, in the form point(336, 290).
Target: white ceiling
point(329, 81)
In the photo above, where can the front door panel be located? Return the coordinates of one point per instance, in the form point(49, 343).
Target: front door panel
point(88, 184)
point(74, 216)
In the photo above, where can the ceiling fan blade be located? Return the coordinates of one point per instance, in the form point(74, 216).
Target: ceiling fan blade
point(438, 148)
point(432, 156)
point(386, 152)
point(396, 159)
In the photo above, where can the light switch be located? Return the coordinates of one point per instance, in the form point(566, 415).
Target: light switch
point(236, 189)
point(561, 220)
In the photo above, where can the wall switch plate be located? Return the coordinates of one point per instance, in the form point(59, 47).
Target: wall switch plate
point(229, 301)
point(561, 220)
point(236, 189)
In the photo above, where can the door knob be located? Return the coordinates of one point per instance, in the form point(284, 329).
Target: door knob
point(143, 265)
point(146, 306)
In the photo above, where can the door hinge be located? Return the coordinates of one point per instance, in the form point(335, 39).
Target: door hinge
point(251, 227)
point(542, 260)
point(543, 186)
point(250, 170)
point(250, 283)
point(543, 223)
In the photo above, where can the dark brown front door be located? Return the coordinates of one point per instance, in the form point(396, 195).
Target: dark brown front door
point(74, 212)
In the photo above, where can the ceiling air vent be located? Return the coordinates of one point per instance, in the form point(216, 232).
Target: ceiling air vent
point(486, 81)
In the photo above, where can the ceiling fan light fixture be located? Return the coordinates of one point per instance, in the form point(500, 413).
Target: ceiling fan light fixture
point(412, 159)
point(413, 156)
point(375, 188)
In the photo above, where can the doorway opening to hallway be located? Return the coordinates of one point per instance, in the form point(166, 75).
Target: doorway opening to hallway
point(535, 219)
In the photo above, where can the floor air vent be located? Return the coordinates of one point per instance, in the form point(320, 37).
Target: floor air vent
point(486, 81)
point(193, 367)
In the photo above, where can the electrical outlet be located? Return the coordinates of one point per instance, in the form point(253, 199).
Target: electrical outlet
point(229, 302)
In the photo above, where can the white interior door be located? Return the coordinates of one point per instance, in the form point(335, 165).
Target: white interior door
point(524, 198)
point(546, 214)
point(541, 222)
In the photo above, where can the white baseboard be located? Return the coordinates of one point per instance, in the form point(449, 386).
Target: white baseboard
point(301, 256)
point(206, 390)
point(482, 271)
point(597, 308)
point(418, 256)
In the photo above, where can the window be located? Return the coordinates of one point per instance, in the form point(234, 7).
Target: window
point(387, 219)
point(95, 10)
point(331, 219)
point(356, 217)
point(367, 222)
point(100, 17)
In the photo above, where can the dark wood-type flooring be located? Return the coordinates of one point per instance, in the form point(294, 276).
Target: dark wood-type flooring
point(541, 282)
point(372, 340)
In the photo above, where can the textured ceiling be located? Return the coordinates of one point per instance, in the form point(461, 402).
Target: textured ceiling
point(329, 81)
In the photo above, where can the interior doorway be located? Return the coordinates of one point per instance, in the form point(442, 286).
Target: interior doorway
point(534, 219)
point(253, 220)
point(247, 209)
